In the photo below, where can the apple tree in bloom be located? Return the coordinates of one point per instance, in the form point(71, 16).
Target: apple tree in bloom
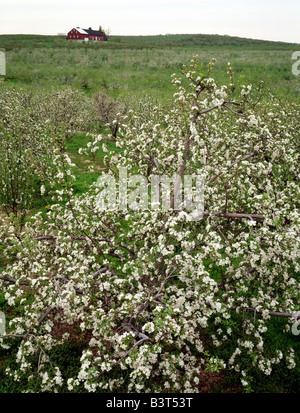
point(29, 127)
point(148, 287)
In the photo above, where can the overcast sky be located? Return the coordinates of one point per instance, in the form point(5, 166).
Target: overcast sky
point(257, 19)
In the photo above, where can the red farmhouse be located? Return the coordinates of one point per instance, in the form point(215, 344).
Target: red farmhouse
point(86, 35)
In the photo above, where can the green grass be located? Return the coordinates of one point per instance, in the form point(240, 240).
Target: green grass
point(128, 67)
point(84, 178)
point(132, 42)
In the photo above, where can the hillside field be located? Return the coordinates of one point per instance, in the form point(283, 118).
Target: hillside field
point(127, 67)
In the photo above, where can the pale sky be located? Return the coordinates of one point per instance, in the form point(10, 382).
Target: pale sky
point(257, 19)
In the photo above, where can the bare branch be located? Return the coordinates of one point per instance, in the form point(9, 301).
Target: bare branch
point(254, 310)
point(271, 313)
point(12, 280)
point(232, 165)
point(130, 329)
point(235, 215)
point(42, 318)
point(236, 113)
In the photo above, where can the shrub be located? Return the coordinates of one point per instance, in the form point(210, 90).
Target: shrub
point(25, 150)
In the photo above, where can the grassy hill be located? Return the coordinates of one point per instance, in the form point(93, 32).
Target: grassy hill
point(9, 42)
point(177, 40)
point(126, 67)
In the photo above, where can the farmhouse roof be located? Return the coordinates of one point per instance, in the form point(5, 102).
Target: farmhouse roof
point(89, 31)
